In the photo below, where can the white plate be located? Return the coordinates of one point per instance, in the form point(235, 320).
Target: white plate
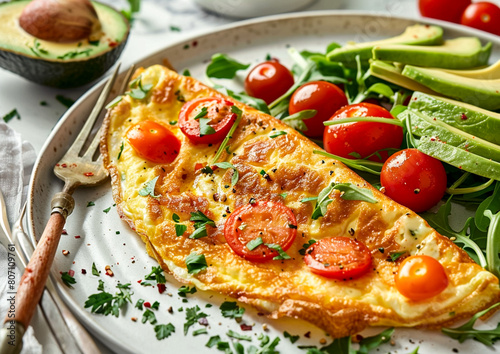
point(106, 240)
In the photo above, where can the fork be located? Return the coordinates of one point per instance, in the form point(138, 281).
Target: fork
point(75, 170)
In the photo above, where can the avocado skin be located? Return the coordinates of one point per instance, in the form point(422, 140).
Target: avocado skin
point(472, 120)
point(61, 74)
point(479, 92)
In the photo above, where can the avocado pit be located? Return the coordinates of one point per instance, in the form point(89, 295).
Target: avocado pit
point(61, 20)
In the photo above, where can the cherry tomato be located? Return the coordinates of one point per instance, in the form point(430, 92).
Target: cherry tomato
point(324, 97)
point(273, 222)
point(446, 10)
point(154, 142)
point(268, 81)
point(218, 111)
point(482, 15)
point(414, 179)
point(421, 277)
point(338, 257)
point(362, 139)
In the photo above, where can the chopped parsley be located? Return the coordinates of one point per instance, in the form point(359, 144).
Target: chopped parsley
point(227, 165)
point(202, 113)
point(139, 304)
point(293, 339)
point(394, 256)
point(196, 263)
point(139, 91)
point(184, 290)
point(94, 270)
point(149, 188)
point(192, 316)
point(236, 335)
point(230, 309)
point(11, 115)
point(205, 128)
point(67, 279)
point(200, 331)
point(157, 275)
point(107, 210)
point(121, 151)
point(275, 134)
point(180, 229)
point(305, 246)
point(89, 204)
point(200, 224)
point(149, 316)
point(106, 303)
point(164, 330)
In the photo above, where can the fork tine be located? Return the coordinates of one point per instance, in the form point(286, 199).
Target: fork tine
point(85, 132)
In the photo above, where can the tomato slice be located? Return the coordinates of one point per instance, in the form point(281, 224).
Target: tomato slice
point(273, 222)
point(362, 139)
point(154, 142)
point(216, 115)
point(421, 277)
point(268, 81)
point(338, 258)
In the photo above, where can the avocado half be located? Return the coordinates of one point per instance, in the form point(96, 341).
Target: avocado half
point(61, 65)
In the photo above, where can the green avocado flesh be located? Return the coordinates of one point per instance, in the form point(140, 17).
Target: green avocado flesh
point(413, 35)
point(458, 53)
point(422, 125)
point(473, 120)
point(60, 64)
point(479, 92)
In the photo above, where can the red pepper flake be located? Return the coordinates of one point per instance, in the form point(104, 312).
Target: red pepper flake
point(84, 271)
point(78, 236)
point(134, 319)
point(228, 103)
point(161, 288)
point(195, 43)
point(464, 117)
point(147, 304)
point(245, 327)
point(214, 168)
point(64, 165)
point(71, 273)
point(109, 272)
point(198, 166)
point(88, 174)
point(139, 281)
point(112, 44)
point(64, 232)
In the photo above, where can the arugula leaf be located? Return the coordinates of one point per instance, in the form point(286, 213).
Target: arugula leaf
point(200, 224)
point(253, 244)
point(205, 128)
point(466, 331)
point(224, 67)
point(343, 345)
point(353, 192)
point(296, 121)
point(323, 201)
point(164, 330)
point(67, 279)
point(254, 102)
point(226, 165)
point(192, 316)
point(222, 147)
point(184, 290)
point(230, 309)
point(369, 343)
point(362, 165)
point(196, 263)
point(149, 316)
point(149, 188)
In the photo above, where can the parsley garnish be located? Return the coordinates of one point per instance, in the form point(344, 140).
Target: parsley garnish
point(139, 91)
point(184, 290)
point(230, 309)
point(281, 254)
point(121, 151)
point(253, 244)
point(305, 246)
point(394, 256)
point(157, 275)
point(192, 316)
point(94, 270)
point(175, 29)
point(202, 113)
point(200, 331)
point(227, 165)
point(149, 316)
point(213, 341)
point(276, 134)
point(89, 204)
point(11, 115)
point(106, 303)
point(107, 210)
point(139, 304)
point(200, 224)
point(205, 128)
point(149, 188)
point(293, 339)
point(233, 334)
point(180, 229)
point(366, 345)
point(164, 330)
point(156, 305)
point(68, 280)
point(195, 263)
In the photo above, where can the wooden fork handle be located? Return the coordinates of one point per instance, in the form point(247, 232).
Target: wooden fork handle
point(35, 275)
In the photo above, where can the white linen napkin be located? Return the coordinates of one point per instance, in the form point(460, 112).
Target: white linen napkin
point(16, 162)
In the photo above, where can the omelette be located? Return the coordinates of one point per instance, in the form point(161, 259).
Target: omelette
point(232, 200)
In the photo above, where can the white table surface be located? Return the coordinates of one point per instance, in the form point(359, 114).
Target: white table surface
point(151, 31)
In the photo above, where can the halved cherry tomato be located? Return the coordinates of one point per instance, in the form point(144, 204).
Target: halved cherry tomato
point(446, 10)
point(273, 222)
point(414, 179)
point(154, 142)
point(324, 97)
point(362, 139)
point(421, 277)
point(218, 112)
point(268, 81)
point(338, 257)
point(482, 15)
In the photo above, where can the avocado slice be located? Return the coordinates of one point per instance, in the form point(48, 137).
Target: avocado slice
point(389, 72)
point(471, 119)
point(479, 92)
point(458, 53)
point(422, 125)
point(459, 158)
point(491, 72)
point(413, 35)
point(55, 64)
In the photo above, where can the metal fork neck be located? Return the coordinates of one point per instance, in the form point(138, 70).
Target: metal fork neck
point(62, 203)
